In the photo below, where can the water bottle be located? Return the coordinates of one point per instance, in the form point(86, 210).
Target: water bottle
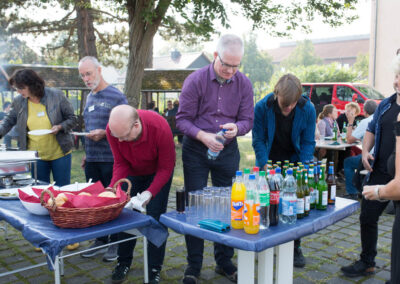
point(221, 139)
point(289, 199)
point(278, 181)
point(263, 193)
point(251, 212)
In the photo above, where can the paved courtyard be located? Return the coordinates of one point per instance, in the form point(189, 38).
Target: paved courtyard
point(325, 251)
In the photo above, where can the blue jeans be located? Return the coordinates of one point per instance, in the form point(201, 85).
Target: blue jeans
point(196, 167)
point(156, 207)
point(61, 169)
point(350, 165)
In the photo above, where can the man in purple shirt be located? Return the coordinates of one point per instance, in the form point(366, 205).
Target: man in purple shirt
point(215, 97)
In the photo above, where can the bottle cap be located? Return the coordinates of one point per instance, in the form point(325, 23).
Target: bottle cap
point(239, 173)
point(289, 172)
point(272, 172)
point(252, 177)
point(262, 173)
point(256, 169)
point(246, 171)
point(278, 170)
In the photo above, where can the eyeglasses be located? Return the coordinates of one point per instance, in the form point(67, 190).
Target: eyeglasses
point(127, 136)
point(87, 74)
point(227, 66)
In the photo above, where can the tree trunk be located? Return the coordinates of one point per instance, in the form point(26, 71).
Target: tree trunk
point(85, 29)
point(141, 34)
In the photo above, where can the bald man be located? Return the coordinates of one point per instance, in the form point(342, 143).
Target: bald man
point(98, 161)
point(144, 152)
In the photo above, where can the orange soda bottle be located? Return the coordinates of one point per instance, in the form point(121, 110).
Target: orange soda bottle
point(251, 208)
point(237, 202)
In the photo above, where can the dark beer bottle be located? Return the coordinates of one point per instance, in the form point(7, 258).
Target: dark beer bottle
point(306, 192)
point(330, 180)
point(322, 191)
point(300, 197)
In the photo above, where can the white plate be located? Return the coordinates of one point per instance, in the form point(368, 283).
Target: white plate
point(39, 132)
point(80, 133)
point(75, 186)
point(9, 193)
point(22, 176)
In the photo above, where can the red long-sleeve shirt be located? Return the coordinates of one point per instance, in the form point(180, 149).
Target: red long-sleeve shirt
point(153, 153)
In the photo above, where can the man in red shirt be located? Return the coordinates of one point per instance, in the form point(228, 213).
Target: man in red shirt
point(144, 152)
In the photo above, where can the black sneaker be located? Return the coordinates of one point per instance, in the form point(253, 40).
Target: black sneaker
point(154, 276)
point(119, 273)
point(358, 268)
point(298, 258)
point(111, 254)
point(191, 276)
point(229, 272)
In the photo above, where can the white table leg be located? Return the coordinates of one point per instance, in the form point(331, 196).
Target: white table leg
point(57, 270)
point(266, 266)
point(61, 264)
point(245, 267)
point(284, 263)
point(145, 261)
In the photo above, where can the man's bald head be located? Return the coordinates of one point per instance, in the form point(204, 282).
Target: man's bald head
point(124, 123)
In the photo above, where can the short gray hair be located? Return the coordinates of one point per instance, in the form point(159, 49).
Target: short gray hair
point(230, 43)
point(396, 65)
point(370, 106)
point(92, 59)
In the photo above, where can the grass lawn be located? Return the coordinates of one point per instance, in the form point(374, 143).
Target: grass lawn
point(246, 153)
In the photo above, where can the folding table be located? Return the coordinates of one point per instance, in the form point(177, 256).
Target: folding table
point(278, 237)
point(41, 232)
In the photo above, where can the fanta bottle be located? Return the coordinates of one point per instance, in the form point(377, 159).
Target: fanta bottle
point(251, 208)
point(237, 202)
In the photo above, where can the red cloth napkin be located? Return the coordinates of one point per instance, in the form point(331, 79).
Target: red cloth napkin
point(28, 198)
point(84, 201)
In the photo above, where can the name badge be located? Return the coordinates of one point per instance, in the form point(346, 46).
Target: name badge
point(40, 114)
point(91, 108)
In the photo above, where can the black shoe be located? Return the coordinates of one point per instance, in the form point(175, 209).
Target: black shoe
point(229, 272)
point(154, 276)
point(191, 276)
point(358, 268)
point(298, 258)
point(119, 273)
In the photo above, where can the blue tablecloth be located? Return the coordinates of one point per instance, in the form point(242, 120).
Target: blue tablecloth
point(275, 235)
point(41, 232)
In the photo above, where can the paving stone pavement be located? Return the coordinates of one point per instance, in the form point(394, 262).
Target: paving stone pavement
point(325, 252)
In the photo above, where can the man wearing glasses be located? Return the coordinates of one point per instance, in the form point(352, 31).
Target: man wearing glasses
point(98, 161)
point(144, 152)
point(215, 97)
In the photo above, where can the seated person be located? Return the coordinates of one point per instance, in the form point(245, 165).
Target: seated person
point(326, 120)
point(351, 163)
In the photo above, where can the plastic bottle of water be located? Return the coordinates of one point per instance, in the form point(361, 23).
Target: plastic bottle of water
point(221, 139)
point(263, 193)
point(289, 199)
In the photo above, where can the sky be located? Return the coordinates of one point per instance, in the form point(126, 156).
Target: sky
point(241, 26)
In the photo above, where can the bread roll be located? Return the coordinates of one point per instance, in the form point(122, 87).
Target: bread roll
point(85, 193)
point(107, 194)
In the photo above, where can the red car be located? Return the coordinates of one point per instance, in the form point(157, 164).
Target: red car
point(339, 94)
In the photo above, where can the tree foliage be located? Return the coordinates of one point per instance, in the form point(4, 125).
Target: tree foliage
point(362, 66)
point(302, 55)
point(189, 21)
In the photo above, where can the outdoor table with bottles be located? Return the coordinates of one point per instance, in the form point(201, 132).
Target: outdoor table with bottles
point(266, 214)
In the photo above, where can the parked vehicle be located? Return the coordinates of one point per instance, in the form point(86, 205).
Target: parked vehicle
point(339, 94)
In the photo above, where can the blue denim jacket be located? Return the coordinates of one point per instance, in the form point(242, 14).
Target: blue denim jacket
point(303, 129)
point(374, 126)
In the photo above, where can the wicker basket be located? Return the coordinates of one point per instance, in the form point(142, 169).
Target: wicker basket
point(84, 217)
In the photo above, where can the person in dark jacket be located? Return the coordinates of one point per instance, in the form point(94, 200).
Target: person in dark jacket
point(44, 109)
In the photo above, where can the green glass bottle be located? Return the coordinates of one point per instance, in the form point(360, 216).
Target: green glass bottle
point(284, 169)
point(312, 186)
point(322, 191)
point(300, 197)
point(335, 131)
point(306, 191)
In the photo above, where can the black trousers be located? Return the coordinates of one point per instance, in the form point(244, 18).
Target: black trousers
point(196, 168)
point(395, 259)
point(371, 210)
point(156, 207)
point(101, 171)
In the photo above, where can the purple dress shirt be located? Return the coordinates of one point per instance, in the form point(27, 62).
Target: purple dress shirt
point(205, 104)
